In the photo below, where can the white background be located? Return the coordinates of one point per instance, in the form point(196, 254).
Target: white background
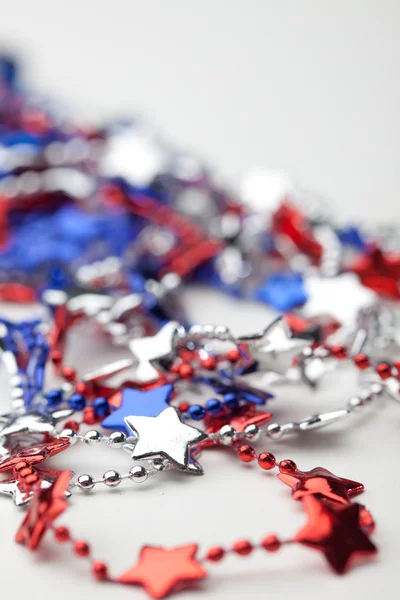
point(310, 86)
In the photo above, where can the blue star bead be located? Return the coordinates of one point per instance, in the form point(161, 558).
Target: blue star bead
point(139, 404)
point(282, 291)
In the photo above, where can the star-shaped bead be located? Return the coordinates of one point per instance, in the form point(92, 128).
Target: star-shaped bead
point(162, 570)
point(275, 348)
point(140, 404)
point(341, 297)
point(323, 482)
point(335, 533)
point(239, 420)
point(35, 454)
point(21, 495)
point(164, 435)
point(150, 352)
point(46, 505)
point(379, 271)
point(19, 430)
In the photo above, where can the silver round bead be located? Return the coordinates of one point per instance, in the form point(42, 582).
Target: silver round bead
point(252, 432)
point(116, 439)
point(18, 405)
point(16, 381)
point(227, 435)
point(17, 393)
point(138, 474)
point(222, 332)
point(70, 434)
point(355, 403)
point(92, 436)
point(112, 478)
point(377, 388)
point(274, 431)
point(307, 352)
point(85, 482)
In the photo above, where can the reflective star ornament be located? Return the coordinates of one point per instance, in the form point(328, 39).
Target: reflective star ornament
point(166, 436)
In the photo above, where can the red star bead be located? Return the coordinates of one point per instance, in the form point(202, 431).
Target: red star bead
point(335, 533)
point(323, 482)
point(290, 222)
point(46, 505)
point(162, 570)
point(248, 415)
point(379, 271)
point(35, 454)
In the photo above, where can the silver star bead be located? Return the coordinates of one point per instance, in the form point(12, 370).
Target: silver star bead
point(165, 436)
point(149, 351)
point(14, 429)
point(14, 489)
point(274, 348)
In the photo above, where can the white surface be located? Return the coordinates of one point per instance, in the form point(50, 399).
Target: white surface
point(311, 87)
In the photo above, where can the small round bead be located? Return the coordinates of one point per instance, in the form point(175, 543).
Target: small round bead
point(266, 461)
point(25, 472)
point(361, 361)
point(69, 374)
point(355, 403)
point(112, 478)
point(116, 439)
point(101, 407)
point(85, 482)
point(54, 397)
point(70, 434)
point(215, 553)
point(227, 435)
point(89, 415)
point(77, 401)
point(213, 406)
point(242, 547)
point(377, 388)
point(384, 370)
point(271, 543)
point(230, 400)
point(99, 570)
point(138, 474)
point(339, 352)
point(287, 466)
point(252, 432)
point(92, 436)
point(246, 453)
point(185, 371)
point(61, 534)
point(81, 548)
point(196, 412)
point(210, 363)
point(31, 479)
point(222, 332)
point(274, 431)
point(183, 407)
point(20, 465)
point(233, 355)
point(72, 425)
point(56, 357)
point(175, 368)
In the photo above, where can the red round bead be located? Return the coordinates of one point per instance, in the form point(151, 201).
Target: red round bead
point(175, 368)
point(81, 388)
point(56, 357)
point(25, 472)
point(215, 553)
point(384, 370)
point(89, 416)
point(61, 534)
point(74, 425)
point(396, 365)
point(99, 570)
point(69, 374)
point(20, 465)
point(339, 352)
point(31, 479)
point(287, 466)
point(210, 363)
point(266, 460)
point(185, 371)
point(361, 361)
point(81, 548)
point(183, 407)
point(242, 547)
point(271, 543)
point(233, 355)
point(246, 453)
